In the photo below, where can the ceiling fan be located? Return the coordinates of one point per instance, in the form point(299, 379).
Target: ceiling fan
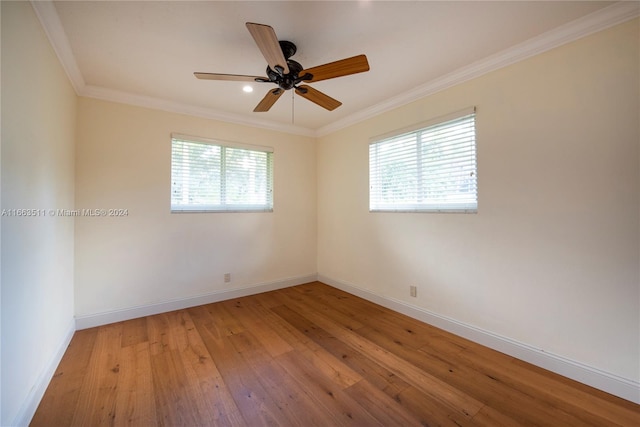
point(289, 74)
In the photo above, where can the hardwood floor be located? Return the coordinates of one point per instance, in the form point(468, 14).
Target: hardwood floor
point(310, 355)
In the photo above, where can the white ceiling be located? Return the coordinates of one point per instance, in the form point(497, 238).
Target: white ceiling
point(145, 52)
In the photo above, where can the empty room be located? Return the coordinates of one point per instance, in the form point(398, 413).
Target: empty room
point(320, 213)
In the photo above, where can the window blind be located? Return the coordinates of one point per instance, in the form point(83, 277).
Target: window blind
point(210, 176)
point(432, 168)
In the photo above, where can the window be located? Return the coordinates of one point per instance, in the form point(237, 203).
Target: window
point(210, 176)
point(430, 167)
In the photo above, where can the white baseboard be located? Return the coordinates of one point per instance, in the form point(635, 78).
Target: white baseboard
point(605, 381)
point(30, 404)
point(99, 319)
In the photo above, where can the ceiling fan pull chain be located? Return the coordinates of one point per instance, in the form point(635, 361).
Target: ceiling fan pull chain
point(293, 100)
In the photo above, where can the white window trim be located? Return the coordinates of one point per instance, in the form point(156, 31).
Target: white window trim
point(230, 144)
point(230, 208)
point(424, 124)
point(424, 207)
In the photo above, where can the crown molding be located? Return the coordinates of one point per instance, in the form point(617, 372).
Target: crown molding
point(50, 21)
point(105, 94)
point(599, 20)
point(48, 16)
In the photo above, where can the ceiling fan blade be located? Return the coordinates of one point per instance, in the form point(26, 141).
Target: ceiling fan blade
point(343, 67)
point(314, 95)
point(267, 41)
point(232, 77)
point(267, 102)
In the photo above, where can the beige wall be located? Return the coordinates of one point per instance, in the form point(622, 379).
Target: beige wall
point(38, 125)
point(151, 256)
point(551, 258)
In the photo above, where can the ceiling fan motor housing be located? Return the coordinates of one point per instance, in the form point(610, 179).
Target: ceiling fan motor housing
point(291, 79)
point(286, 81)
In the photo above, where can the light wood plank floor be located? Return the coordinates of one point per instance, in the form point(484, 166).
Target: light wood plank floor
point(310, 355)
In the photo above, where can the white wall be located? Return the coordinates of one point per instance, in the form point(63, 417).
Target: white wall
point(551, 258)
point(38, 125)
point(151, 256)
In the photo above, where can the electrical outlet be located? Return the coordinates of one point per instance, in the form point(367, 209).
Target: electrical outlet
point(227, 277)
point(413, 291)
